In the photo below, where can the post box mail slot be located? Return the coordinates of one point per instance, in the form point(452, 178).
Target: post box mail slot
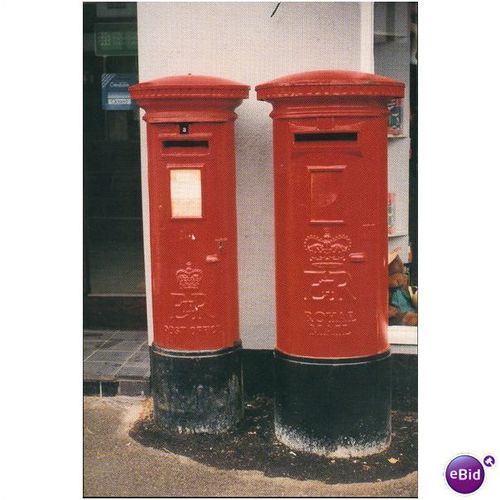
point(330, 177)
point(327, 136)
point(185, 144)
point(195, 356)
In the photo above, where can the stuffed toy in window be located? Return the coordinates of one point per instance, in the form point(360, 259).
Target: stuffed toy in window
point(402, 297)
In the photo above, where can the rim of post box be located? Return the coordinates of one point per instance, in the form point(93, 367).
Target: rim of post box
point(189, 87)
point(330, 83)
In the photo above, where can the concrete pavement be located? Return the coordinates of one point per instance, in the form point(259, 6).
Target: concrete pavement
point(116, 466)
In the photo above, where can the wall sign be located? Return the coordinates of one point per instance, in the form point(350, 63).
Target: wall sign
point(115, 39)
point(185, 193)
point(391, 205)
point(116, 9)
point(114, 91)
point(395, 122)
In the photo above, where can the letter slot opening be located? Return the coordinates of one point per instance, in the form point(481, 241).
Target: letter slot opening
point(326, 136)
point(185, 144)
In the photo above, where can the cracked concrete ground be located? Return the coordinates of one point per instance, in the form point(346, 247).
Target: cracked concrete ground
point(117, 466)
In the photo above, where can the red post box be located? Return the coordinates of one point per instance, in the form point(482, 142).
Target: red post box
point(195, 356)
point(330, 171)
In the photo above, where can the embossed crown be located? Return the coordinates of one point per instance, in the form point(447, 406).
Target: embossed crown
point(327, 249)
point(189, 277)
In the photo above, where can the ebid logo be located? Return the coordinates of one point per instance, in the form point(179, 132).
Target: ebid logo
point(465, 474)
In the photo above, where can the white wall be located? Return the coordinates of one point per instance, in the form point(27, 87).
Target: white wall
point(240, 41)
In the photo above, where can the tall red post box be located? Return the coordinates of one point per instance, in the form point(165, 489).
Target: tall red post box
point(195, 356)
point(332, 361)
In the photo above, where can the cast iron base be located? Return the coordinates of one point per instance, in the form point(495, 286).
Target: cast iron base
point(197, 392)
point(335, 408)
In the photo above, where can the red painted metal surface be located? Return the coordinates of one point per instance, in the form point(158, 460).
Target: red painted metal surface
point(192, 200)
point(330, 174)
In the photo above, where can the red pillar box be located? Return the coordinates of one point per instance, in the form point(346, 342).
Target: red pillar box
point(332, 355)
point(195, 356)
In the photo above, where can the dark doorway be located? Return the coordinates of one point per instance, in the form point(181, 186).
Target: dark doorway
point(114, 288)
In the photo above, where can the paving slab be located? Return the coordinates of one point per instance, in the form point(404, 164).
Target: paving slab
point(111, 355)
point(117, 344)
point(115, 357)
point(141, 356)
point(134, 370)
point(100, 370)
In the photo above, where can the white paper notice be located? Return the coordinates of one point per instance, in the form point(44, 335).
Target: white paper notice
point(185, 192)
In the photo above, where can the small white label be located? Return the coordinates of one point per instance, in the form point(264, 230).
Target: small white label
point(119, 100)
point(185, 192)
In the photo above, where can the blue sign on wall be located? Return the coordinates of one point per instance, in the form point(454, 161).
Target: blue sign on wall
point(114, 91)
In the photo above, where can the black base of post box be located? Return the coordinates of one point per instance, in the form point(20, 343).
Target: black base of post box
point(197, 392)
point(336, 408)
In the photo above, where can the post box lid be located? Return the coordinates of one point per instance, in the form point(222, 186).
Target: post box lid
point(330, 83)
point(189, 86)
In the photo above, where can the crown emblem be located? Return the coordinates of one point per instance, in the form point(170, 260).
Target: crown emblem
point(190, 277)
point(327, 250)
